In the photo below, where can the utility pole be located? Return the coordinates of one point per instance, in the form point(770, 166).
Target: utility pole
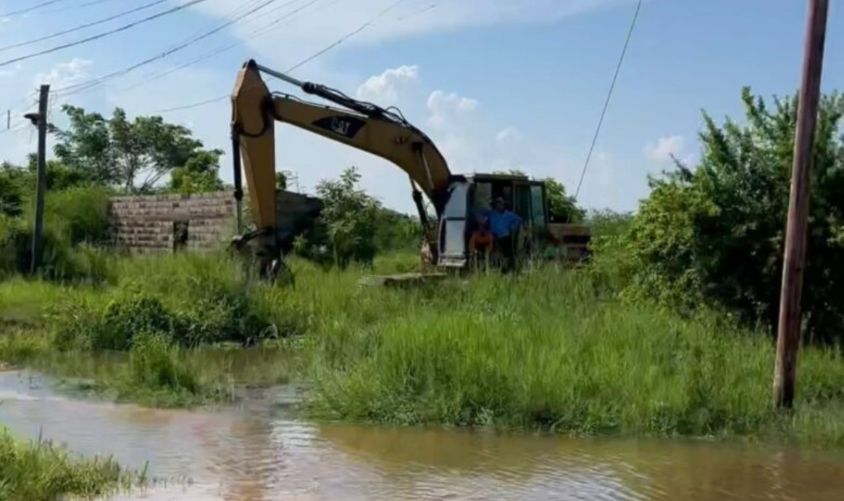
point(790, 315)
point(41, 184)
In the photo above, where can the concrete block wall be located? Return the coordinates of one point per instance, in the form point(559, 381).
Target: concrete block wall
point(147, 223)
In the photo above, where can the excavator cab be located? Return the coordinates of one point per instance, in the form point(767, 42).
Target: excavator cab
point(471, 196)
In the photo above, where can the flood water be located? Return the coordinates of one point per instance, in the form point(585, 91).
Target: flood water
point(260, 450)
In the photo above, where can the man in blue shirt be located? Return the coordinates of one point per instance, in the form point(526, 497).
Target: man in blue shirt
point(504, 225)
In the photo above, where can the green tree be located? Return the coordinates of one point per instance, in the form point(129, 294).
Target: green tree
point(396, 231)
point(12, 189)
point(59, 175)
point(133, 155)
point(715, 233)
point(199, 174)
point(281, 178)
point(562, 207)
point(345, 231)
point(85, 146)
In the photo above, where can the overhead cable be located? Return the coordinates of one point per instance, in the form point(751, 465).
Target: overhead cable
point(264, 30)
point(73, 89)
point(295, 66)
point(82, 26)
point(609, 95)
point(104, 34)
point(29, 9)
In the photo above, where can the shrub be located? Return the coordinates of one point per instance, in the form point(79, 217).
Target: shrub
point(191, 299)
point(715, 234)
point(73, 219)
point(346, 229)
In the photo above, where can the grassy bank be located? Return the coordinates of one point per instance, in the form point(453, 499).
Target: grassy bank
point(550, 348)
point(40, 470)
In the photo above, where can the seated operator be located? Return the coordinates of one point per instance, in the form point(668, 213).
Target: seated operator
point(504, 225)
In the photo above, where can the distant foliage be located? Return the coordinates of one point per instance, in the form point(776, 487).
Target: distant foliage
point(715, 233)
point(134, 155)
point(346, 229)
point(562, 207)
point(13, 182)
point(199, 174)
point(396, 231)
point(75, 220)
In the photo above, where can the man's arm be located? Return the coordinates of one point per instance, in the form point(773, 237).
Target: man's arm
point(515, 222)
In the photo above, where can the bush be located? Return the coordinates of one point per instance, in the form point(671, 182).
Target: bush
point(715, 234)
point(123, 320)
point(191, 299)
point(78, 214)
point(345, 231)
point(74, 221)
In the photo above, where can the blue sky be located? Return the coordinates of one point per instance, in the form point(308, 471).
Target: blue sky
point(497, 83)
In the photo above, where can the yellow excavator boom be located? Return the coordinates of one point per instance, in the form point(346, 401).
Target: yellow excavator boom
point(361, 125)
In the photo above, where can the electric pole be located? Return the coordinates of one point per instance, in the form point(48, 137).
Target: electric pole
point(790, 315)
point(41, 183)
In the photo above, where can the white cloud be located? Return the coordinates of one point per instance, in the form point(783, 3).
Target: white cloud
point(666, 148)
point(10, 72)
point(64, 74)
point(385, 89)
point(446, 107)
point(508, 135)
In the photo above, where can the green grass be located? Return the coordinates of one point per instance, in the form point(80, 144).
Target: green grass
point(41, 471)
point(154, 372)
point(550, 349)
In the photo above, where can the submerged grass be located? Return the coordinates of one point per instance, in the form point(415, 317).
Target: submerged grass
point(550, 348)
point(41, 471)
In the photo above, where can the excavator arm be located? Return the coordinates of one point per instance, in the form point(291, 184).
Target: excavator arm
point(358, 124)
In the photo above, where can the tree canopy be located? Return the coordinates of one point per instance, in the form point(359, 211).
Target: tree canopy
point(715, 233)
point(345, 231)
point(135, 155)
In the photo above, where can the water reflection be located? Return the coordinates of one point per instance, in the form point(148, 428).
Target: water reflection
point(258, 451)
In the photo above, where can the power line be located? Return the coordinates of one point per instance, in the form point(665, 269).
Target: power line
point(417, 13)
point(30, 9)
point(297, 65)
point(264, 30)
point(82, 26)
point(80, 6)
point(103, 34)
point(609, 95)
point(83, 86)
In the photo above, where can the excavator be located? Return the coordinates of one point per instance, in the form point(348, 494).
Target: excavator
point(383, 132)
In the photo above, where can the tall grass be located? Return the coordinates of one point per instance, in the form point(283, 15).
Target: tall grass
point(40, 470)
point(75, 221)
point(551, 348)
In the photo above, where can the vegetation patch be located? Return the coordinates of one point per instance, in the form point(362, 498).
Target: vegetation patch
point(41, 470)
point(551, 350)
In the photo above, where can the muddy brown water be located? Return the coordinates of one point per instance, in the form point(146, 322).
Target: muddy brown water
point(260, 450)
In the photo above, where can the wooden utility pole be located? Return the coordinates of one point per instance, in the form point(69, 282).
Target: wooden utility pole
point(790, 315)
point(41, 183)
